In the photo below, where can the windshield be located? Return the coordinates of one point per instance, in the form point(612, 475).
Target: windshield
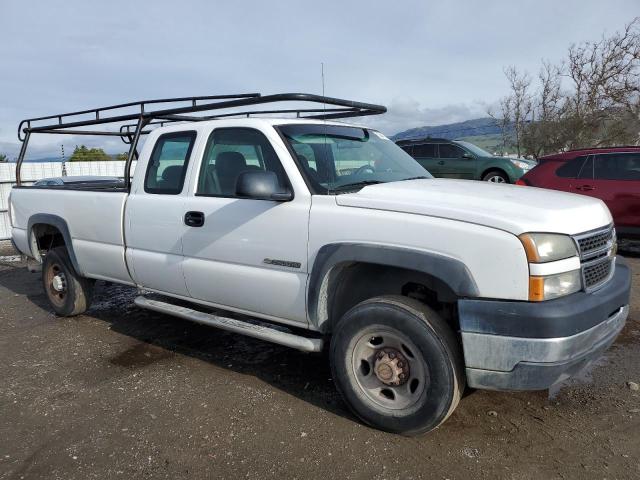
point(336, 158)
point(474, 149)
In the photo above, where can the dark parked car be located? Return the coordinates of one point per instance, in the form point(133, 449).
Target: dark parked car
point(458, 159)
point(610, 174)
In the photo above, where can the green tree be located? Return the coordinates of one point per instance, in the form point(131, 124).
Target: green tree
point(3, 158)
point(124, 156)
point(83, 154)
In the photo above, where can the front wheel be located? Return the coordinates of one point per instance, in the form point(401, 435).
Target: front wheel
point(496, 176)
point(397, 364)
point(68, 293)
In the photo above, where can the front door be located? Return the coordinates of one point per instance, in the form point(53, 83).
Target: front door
point(249, 255)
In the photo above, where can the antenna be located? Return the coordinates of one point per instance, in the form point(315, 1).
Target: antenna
point(324, 105)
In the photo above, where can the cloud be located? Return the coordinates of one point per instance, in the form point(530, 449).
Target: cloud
point(429, 62)
point(405, 112)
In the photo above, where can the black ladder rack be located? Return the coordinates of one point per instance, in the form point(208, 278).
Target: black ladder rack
point(141, 117)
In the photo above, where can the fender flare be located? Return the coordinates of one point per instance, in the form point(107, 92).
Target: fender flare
point(450, 271)
point(59, 223)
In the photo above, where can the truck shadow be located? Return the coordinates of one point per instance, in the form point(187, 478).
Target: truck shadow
point(302, 375)
point(161, 337)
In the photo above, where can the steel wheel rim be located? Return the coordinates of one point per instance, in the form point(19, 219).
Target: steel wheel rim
point(400, 397)
point(56, 284)
point(496, 179)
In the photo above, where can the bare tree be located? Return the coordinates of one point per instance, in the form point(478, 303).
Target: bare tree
point(606, 88)
point(592, 99)
point(516, 107)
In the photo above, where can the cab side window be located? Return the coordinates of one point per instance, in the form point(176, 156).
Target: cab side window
point(168, 163)
point(231, 152)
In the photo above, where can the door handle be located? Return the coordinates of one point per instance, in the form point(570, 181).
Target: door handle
point(194, 219)
point(441, 162)
point(585, 188)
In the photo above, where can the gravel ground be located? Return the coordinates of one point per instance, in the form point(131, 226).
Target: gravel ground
point(125, 393)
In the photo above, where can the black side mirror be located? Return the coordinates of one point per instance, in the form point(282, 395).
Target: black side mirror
point(261, 185)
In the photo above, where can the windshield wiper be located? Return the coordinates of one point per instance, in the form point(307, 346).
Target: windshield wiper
point(421, 177)
point(353, 186)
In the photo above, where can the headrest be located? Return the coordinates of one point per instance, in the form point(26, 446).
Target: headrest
point(230, 161)
point(172, 174)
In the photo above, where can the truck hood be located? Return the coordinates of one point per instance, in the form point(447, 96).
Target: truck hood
point(516, 209)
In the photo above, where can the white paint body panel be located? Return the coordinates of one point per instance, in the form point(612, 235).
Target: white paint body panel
point(512, 208)
point(95, 225)
point(222, 263)
point(495, 258)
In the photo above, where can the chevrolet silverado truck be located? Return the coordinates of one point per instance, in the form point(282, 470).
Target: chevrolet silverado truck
point(324, 234)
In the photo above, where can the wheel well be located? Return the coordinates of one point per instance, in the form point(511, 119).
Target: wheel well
point(44, 237)
point(495, 169)
point(353, 283)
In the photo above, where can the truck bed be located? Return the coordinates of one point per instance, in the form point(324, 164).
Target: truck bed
point(91, 212)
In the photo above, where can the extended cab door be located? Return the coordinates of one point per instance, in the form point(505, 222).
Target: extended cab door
point(455, 162)
point(154, 211)
point(247, 255)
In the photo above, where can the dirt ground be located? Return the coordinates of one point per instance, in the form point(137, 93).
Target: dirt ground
point(125, 393)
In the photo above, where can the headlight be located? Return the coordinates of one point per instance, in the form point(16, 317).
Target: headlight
point(547, 247)
point(554, 286)
point(520, 164)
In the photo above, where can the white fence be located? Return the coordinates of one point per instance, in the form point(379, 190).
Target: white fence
point(32, 171)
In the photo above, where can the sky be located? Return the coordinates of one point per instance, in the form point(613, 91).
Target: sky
point(429, 62)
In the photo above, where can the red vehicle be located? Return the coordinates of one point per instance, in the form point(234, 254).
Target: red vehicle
point(610, 174)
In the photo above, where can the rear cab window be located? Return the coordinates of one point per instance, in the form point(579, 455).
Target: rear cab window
point(168, 163)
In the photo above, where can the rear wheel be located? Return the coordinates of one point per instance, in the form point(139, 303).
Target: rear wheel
point(397, 364)
point(68, 293)
point(496, 176)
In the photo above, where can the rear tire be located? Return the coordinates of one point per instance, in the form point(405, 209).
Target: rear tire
point(397, 365)
point(68, 293)
point(496, 176)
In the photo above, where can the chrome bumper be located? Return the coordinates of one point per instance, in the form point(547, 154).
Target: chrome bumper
point(498, 362)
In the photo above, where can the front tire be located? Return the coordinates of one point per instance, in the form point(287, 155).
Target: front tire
point(496, 176)
point(397, 365)
point(68, 293)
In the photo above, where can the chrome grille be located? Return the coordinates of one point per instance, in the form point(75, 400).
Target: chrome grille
point(596, 273)
point(595, 242)
point(596, 249)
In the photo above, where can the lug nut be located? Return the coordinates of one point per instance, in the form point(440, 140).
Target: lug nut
point(392, 355)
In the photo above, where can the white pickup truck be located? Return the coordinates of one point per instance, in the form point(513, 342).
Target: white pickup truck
point(418, 286)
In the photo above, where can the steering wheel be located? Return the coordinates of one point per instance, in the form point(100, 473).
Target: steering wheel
point(362, 169)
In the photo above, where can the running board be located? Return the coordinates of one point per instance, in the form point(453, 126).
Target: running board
point(232, 325)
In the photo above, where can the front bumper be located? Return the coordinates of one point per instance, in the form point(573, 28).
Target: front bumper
point(531, 345)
